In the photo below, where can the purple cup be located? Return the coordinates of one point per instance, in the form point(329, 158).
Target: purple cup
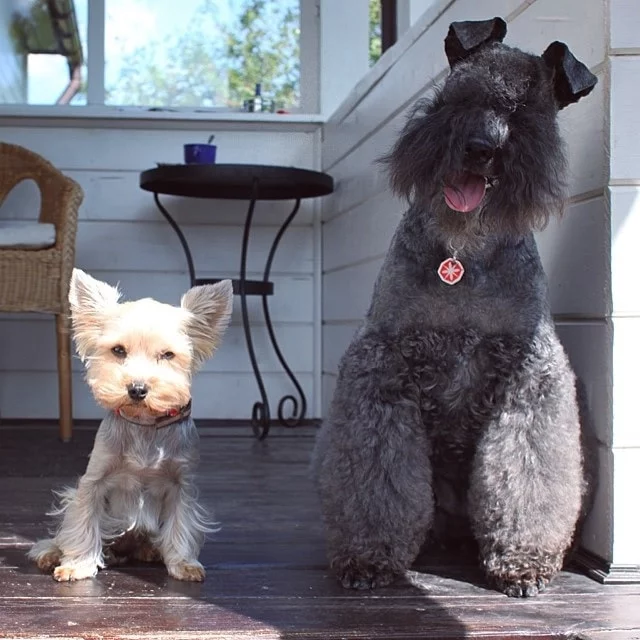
point(200, 153)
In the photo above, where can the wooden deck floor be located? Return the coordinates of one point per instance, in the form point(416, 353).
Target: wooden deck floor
point(267, 575)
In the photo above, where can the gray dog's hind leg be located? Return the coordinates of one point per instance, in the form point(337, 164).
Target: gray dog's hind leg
point(372, 468)
point(527, 484)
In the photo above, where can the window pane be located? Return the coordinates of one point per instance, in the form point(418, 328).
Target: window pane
point(202, 53)
point(375, 31)
point(43, 46)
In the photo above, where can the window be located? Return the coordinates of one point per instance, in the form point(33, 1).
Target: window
point(208, 54)
point(383, 31)
point(375, 31)
point(43, 47)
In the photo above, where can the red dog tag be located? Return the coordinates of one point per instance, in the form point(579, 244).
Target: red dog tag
point(451, 271)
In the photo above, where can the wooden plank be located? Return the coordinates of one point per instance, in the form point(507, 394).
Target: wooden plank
point(575, 255)
point(342, 236)
point(418, 617)
point(29, 345)
point(625, 153)
point(583, 130)
point(626, 349)
point(626, 478)
point(216, 395)
point(342, 303)
point(292, 301)
point(335, 340)
point(358, 177)
point(117, 149)
point(154, 246)
point(625, 227)
point(271, 581)
point(597, 532)
point(624, 634)
point(624, 16)
point(581, 27)
point(589, 346)
point(267, 574)
point(116, 196)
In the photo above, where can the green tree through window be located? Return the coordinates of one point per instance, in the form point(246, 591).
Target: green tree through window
point(212, 64)
point(375, 31)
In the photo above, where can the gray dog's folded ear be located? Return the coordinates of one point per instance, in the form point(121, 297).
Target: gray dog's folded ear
point(466, 37)
point(572, 80)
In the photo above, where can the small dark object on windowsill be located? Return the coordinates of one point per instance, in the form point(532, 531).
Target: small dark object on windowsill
point(267, 105)
point(259, 104)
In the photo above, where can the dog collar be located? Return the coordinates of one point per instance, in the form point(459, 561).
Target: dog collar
point(172, 416)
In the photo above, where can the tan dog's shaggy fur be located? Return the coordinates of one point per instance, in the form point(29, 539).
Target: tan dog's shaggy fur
point(137, 498)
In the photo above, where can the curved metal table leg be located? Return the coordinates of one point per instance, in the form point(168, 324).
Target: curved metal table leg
point(296, 417)
point(183, 240)
point(260, 414)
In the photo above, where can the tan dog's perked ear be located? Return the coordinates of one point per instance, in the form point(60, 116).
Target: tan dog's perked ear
point(210, 308)
point(88, 298)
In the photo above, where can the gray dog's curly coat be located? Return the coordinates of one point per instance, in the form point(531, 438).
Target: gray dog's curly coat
point(455, 402)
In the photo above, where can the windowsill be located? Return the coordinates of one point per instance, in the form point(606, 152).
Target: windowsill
point(135, 117)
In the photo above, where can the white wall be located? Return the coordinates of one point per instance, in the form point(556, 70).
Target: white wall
point(624, 191)
point(123, 238)
point(359, 219)
point(12, 73)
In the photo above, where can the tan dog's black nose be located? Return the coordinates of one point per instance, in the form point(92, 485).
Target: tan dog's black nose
point(137, 390)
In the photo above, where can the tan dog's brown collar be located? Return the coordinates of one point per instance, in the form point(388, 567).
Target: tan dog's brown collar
point(172, 416)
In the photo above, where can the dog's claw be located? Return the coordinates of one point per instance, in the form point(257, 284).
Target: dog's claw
point(187, 571)
point(521, 588)
point(366, 579)
point(361, 584)
point(71, 574)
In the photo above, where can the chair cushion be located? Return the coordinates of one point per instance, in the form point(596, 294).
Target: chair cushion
point(16, 234)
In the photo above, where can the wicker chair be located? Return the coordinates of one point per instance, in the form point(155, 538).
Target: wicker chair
point(37, 279)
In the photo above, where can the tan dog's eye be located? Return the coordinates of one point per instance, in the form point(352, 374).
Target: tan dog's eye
point(119, 351)
point(167, 355)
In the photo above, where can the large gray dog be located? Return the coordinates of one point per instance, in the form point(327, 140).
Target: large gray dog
point(455, 398)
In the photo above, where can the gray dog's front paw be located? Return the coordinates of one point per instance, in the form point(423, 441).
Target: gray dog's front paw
point(361, 575)
point(525, 586)
point(521, 576)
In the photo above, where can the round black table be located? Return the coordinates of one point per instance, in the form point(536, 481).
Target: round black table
point(244, 182)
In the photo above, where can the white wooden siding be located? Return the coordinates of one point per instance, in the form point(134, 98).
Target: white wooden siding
point(122, 238)
point(624, 188)
point(359, 219)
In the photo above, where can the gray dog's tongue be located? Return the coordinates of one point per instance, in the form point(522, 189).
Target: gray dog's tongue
point(465, 192)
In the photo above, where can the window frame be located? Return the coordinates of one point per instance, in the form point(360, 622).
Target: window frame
point(95, 108)
point(389, 24)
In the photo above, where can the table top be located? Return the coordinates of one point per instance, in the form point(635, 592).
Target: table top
point(235, 181)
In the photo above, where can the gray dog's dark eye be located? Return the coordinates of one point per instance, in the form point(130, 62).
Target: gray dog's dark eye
point(119, 351)
point(167, 355)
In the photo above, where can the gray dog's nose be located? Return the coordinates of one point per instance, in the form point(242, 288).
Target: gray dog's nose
point(137, 390)
point(480, 149)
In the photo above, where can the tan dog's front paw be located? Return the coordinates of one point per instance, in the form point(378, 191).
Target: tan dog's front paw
point(47, 561)
point(66, 573)
point(188, 571)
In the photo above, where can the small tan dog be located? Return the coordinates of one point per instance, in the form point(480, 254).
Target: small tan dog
point(137, 498)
